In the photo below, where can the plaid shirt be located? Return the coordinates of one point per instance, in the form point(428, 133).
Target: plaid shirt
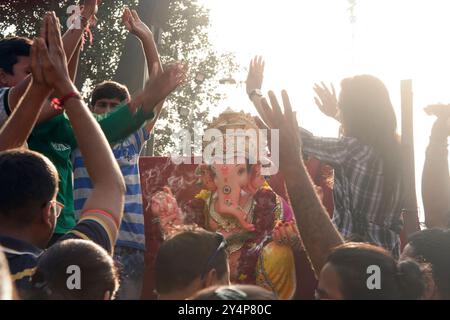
point(358, 190)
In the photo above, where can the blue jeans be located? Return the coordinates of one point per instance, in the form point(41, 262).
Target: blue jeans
point(130, 263)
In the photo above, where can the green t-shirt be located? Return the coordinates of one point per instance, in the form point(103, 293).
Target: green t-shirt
point(55, 139)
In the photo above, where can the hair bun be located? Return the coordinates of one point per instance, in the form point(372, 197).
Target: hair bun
point(411, 280)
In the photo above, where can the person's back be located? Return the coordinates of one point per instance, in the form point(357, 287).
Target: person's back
point(366, 159)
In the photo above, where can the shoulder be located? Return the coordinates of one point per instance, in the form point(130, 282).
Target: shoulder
point(98, 226)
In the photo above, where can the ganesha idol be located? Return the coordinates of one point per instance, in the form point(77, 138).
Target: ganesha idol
point(236, 201)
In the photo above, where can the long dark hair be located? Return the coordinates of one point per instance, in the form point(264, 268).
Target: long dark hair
point(367, 114)
point(398, 280)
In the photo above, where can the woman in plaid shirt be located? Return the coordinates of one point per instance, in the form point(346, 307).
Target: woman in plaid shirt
point(366, 160)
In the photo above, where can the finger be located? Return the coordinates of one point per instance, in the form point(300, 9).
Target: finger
point(334, 91)
point(266, 113)
point(278, 114)
point(58, 31)
point(52, 32)
point(286, 104)
point(135, 15)
point(44, 27)
point(35, 67)
point(320, 105)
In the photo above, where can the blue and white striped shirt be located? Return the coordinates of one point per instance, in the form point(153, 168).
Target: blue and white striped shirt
point(126, 152)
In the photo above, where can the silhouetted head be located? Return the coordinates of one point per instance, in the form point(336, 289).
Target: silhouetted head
point(361, 271)
point(75, 270)
point(15, 62)
point(190, 261)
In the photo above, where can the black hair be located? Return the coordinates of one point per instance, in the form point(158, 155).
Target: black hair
point(10, 49)
point(432, 246)
point(235, 292)
point(368, 115)
point(28, 180)
point(184, 257)
point(98, 273)
point(109, 90)
point(351, 261)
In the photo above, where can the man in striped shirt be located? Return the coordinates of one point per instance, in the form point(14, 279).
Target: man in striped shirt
point(130, 248)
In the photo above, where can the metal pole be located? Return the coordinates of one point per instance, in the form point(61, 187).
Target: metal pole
point(411, 217)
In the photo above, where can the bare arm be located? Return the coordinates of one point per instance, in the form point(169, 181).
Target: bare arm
point(137, 27)
point(318, 233)
point(17, 129)
point(108, 184)
point(71, 39)
point(436, 178)
point(73, 63)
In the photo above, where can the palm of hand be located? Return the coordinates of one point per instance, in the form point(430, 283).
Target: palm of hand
point(255, 74)
point(166, 82)
point(326, 101)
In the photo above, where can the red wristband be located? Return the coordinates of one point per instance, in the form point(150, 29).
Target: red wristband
point(58, 104)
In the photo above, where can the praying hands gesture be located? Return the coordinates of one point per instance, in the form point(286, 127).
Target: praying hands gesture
point(48, 60)
point(255, 74)
point(326, 100)
point(135, 25)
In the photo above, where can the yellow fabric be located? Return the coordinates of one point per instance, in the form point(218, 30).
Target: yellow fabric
point(22, 274)
point(107, 223)
point(276, 270)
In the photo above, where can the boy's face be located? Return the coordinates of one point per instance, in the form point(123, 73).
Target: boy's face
point(20, 71)
point(105, 105)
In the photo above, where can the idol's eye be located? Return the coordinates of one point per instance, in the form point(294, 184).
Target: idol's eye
point(241, 171)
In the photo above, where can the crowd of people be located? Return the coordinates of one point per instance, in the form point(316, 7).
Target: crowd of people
point(71, 197)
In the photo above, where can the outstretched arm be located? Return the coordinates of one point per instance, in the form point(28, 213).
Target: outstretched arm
point(318, 233)
point(436, 177)
point(17, 129)
point(108, 184)
point(71, 39)
point(137, 27)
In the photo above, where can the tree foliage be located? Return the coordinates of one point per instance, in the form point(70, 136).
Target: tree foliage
point(185, 38)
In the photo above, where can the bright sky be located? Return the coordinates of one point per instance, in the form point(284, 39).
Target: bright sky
point(305, 41)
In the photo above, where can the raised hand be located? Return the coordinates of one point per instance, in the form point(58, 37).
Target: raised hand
point(49, 63)
point(90, 8)
point(286, 233)
point(326, 100)
point(135, 25)
point(286, 123)
point(159, 86)
point(255, 75)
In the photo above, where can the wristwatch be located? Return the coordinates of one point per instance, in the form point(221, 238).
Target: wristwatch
point(255, 92)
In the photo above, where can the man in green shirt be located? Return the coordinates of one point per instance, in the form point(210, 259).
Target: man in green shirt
point(55, 139)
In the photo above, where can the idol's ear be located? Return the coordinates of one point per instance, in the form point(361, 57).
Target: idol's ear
point(255, 180)
point(206, 178)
